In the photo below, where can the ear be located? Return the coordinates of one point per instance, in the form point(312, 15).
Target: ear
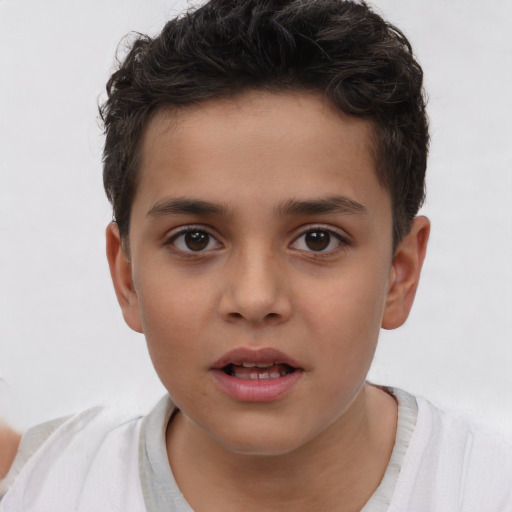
point(405, 274)
point(121, 273)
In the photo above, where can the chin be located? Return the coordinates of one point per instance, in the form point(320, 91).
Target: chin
point(263, 442)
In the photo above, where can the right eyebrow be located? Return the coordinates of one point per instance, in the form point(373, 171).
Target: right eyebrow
point(186, 206)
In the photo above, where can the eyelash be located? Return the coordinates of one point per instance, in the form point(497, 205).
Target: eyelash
point(170, 241)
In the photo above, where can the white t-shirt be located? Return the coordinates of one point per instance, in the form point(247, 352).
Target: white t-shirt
point(105, 460)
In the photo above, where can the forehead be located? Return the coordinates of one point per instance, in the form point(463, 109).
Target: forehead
point(282, 144)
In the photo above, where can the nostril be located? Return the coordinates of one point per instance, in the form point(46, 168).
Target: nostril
point(235, 315)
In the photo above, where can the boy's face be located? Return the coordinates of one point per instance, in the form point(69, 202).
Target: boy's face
point(259, 234)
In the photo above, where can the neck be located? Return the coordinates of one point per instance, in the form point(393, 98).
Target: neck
point(339, 470)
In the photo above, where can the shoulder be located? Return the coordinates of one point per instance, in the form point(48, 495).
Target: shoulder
point(26, 447)
point(454, 464)
point(455, 434)
point(96, 450)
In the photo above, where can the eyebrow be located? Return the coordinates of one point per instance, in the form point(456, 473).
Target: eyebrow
point(332, 204)
point(184, 206)
point(191, 206)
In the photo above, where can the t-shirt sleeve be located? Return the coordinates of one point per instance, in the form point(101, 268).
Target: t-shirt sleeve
point(30, 443)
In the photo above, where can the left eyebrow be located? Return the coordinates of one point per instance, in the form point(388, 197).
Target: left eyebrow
point(185, 206)
point(331, 204)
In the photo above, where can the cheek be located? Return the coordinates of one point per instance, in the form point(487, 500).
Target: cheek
point(175, 315)
point(173, 302)
point(345, 356)
point(352, 304)
point(347, 318)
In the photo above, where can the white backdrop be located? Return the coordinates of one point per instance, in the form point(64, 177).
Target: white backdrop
point(63, 343)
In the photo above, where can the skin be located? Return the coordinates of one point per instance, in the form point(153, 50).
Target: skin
point(324, 444)
point(9, 442)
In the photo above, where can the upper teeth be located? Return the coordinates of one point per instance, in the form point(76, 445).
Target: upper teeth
point(259, 365)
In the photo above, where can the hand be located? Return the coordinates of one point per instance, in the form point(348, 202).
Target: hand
point(9, 442)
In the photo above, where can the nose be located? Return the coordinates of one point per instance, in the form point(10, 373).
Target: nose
point(256, 291)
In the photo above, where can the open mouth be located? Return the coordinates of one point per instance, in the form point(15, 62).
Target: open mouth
point(258, 371)
point(261, 375)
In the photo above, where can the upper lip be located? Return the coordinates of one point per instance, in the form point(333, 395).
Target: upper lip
point(247, 355)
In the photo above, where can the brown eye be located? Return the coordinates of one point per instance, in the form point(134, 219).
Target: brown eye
point(317, 240)
point(196, 240)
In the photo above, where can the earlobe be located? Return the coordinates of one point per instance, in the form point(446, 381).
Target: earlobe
point(405, 274)
point(121, 273)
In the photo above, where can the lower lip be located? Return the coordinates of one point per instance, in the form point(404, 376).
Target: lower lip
point(257, 390)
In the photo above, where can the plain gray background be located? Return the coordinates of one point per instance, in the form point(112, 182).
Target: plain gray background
point(63, 343)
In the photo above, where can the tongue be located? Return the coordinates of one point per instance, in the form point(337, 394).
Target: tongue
point(272, 372)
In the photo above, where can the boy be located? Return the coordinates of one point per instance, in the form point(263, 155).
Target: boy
point(265, 161)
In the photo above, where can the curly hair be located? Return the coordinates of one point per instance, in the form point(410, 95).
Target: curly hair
point(363, 65)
